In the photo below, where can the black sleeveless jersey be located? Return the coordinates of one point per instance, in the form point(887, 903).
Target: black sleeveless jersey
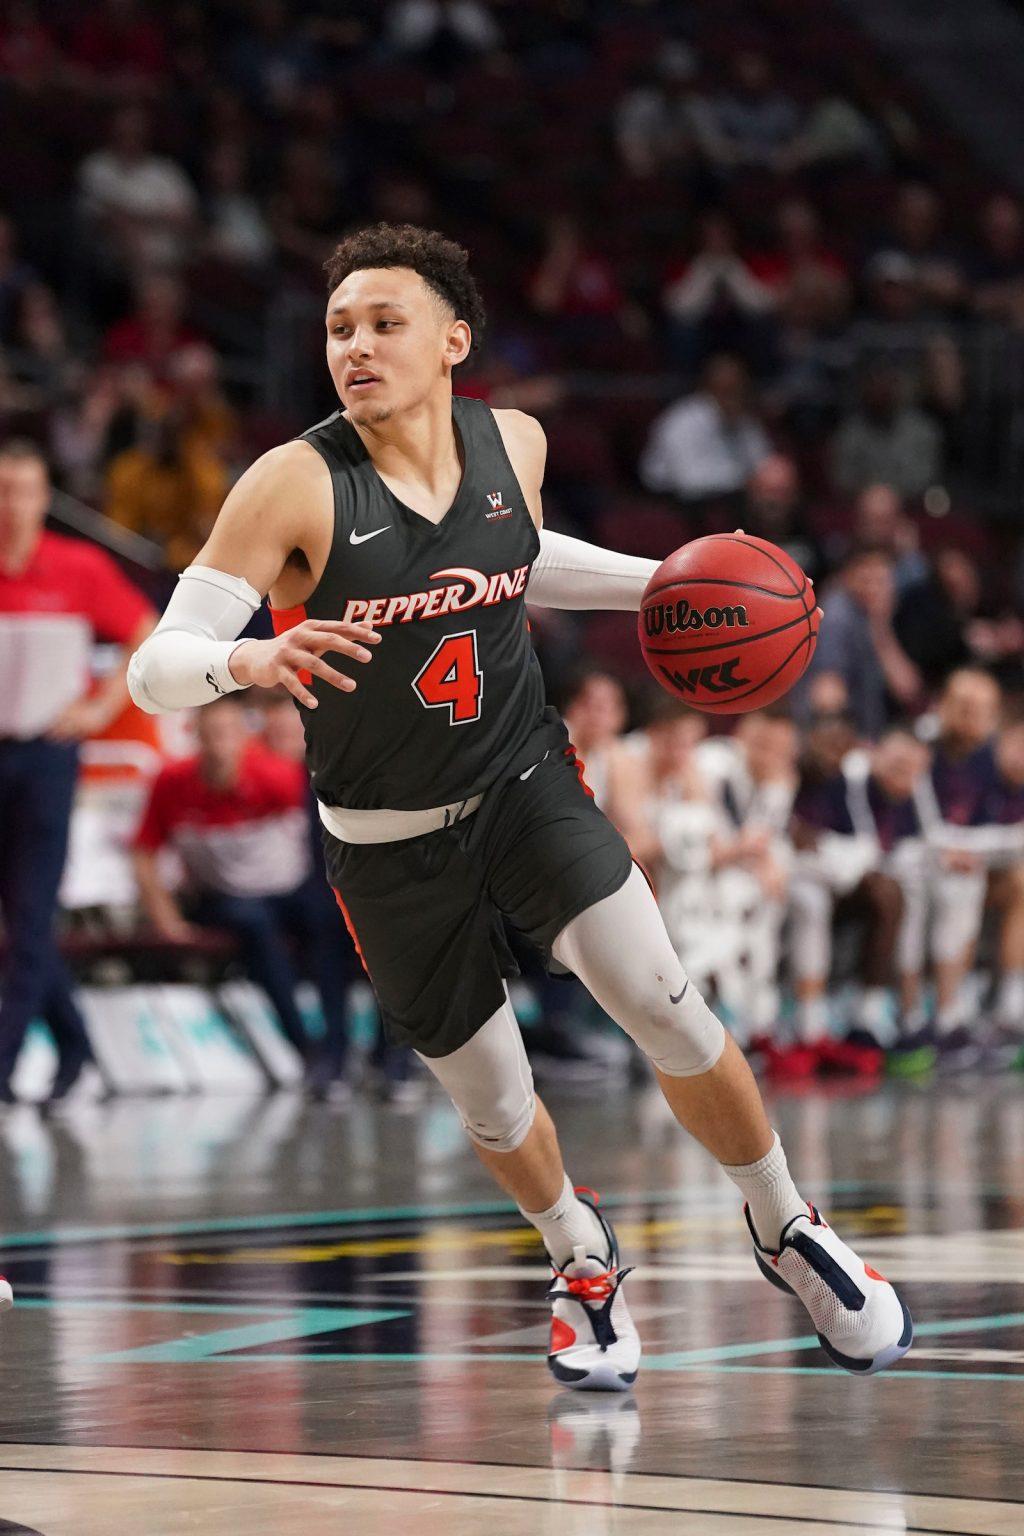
point(453, 699)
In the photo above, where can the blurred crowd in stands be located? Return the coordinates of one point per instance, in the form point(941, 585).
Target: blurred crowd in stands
point(743, 277)
point(879, 876)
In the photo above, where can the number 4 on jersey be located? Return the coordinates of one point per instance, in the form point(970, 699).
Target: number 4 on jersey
point(452, 678)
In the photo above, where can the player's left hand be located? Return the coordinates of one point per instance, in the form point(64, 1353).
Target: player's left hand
point(84, 718)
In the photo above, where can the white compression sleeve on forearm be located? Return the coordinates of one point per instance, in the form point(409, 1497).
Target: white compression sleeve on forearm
point(184, 661)
point(569, 573)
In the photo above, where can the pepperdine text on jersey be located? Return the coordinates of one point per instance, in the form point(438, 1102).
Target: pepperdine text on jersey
point(468, 589)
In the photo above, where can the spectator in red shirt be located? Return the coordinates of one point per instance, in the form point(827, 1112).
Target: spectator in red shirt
point(155, 334)
point(573, 280)
point(236, 815)
point(798, 248)
point(57, 595)
point(715, 303)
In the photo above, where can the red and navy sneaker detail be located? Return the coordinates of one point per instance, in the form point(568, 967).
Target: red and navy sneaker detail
point(861, 1322)
point(594, 1343)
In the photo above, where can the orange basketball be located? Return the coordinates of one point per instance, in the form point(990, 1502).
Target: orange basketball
point(728, 623)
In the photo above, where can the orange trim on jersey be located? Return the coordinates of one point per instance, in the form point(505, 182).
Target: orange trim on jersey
point(646, 874)
point(284, 619)
point(352, 932)
point(580, 767)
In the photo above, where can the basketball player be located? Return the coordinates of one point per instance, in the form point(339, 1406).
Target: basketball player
point(406, 528)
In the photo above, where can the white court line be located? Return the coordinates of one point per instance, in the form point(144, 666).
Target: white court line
point(838, 1509)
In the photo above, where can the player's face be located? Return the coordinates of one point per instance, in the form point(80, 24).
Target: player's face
point(222, 733)
point(969, 710)
point(899, 762)
point(390, 343)
point(598, 712)
point(770, 747)
point(282, 730)
point(24, 498)
point(674, 742)
point(828, 743)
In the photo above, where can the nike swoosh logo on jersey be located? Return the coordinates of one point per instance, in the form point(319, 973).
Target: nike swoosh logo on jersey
point(361, 538)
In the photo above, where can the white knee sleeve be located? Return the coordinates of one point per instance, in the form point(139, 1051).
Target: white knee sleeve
point(959, 905)
point(910, 944)
point(621, 952)
point(490, 1083)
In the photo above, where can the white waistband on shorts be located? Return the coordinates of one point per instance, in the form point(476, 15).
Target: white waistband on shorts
point(350, 826)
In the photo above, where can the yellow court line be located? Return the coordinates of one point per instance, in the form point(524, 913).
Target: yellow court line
point(518, 1239)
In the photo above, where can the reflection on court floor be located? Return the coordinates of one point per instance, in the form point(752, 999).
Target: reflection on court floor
point(289, 1314)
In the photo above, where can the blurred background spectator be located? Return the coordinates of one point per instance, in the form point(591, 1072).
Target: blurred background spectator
point(57, 595)
point(236, 815)
point(708, 444)
point(885, 438)
point(859, 644)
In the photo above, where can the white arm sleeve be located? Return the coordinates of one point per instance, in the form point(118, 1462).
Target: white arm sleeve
point(571, 574)
point(184, 661)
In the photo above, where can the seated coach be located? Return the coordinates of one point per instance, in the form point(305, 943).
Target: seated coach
point(235, 814)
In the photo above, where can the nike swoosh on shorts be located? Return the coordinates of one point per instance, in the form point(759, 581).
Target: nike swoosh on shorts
point(361, 538)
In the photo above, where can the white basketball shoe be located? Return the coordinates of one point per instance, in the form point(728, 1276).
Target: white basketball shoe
point(594, 1343)
point(860, 1321)
point(6, 1295)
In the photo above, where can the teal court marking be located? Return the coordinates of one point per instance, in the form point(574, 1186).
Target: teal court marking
point(685, 1199)
point(280, 1328)
point(714, 1360)
point(231, 1309)
point(693, 1358)
point(306, 1322)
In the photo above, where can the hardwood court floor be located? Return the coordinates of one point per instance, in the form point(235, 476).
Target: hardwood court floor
point(241, 1316)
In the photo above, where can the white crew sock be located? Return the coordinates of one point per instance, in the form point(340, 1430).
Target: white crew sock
point(950, 1016)
point(569, 1224)
point(1010, 1001)
point(873, 1011)
point(812, 1020)
point(914, 1021)
point(768, 1189)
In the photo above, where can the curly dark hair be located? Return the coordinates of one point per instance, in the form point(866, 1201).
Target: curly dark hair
point(442, 264)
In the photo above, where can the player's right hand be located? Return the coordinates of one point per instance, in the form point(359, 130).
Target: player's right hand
point(270, 663)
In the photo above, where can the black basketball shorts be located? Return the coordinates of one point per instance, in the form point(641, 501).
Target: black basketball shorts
point(427, 914)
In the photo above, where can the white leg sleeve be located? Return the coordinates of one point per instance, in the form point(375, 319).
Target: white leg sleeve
point(759, 973)
point(909, 864)
point(490, 1083)
point(620, 950)
point(910, 944)
point(810, 928)
point(959, 904)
